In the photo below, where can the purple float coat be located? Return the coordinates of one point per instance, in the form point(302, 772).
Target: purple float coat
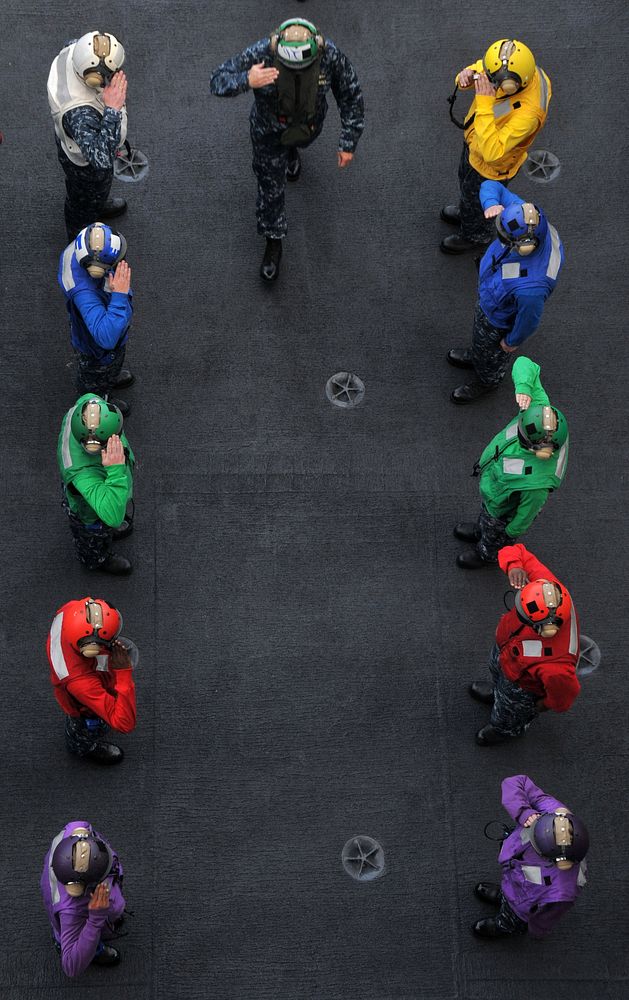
point(535, 888)
point(76, 929)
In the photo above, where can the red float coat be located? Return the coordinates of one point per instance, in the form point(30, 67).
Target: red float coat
point(545, 667)
point(85, 686)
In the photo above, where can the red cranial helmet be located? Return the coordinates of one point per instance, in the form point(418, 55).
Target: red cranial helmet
point(91, 625)
point(543, 605)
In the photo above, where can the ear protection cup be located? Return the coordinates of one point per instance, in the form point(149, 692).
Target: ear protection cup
point(96, 270)
point(510, 86)
point(94, 80)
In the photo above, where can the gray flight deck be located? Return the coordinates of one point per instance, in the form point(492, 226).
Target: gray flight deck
point(306, 639)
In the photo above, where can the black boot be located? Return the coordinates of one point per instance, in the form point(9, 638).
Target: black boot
point(270, 267)
point(293, 169)
point(471, 559)
point(117, 565)
point(105, 753)
point(112, 208)
point(467, 531)
point(489, 737)
point(122, 405)
point(108, 956)
point(460, 358)
point(451, 214)
point(488, 928)
point(468, 393)
point(457, 244)
point(489, 892)
point(482, 691)
point(124, 380)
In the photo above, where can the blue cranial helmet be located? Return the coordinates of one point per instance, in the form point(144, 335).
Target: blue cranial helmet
point(98, 249)
point(518, 227)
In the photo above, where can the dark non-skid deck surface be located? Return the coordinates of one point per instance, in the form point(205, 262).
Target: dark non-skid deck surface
point(306, 639)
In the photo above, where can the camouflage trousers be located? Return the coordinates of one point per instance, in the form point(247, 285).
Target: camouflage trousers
point(493, 535)
point(489, 360)
point(96, 376)
point(514, 709)
point(508, 921)
point(91, 541)
point(82, 734)
point(87, 190)
point(270, 160)
point(474, 226)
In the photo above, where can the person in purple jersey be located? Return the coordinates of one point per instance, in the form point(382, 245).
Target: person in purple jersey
point(543, 864)
point(81, 884)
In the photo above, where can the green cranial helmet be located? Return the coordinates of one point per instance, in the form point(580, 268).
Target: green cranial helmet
point(297, 43)
point(542, 429)
point(93, 423)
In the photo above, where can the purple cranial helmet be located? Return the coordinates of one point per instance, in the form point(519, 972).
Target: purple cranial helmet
point(81, 861)
point(560, 837)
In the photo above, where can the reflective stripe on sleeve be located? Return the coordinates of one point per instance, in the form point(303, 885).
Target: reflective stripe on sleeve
point(52, 878)
point(67, 278)
point(65, 443)
point(543, 89)
point(512, 431)
point(59, 664)
point(573, 648)
point(554, 261)
point(562, 458)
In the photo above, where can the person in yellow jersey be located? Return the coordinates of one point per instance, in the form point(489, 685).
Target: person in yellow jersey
point(511, 98)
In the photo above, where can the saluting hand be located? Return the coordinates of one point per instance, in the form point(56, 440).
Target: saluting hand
point(483, 86)
point(466, 78)
point(523, 400)
point(261, 76)
point(531, 819)
point(119, 657)
point(99, 899)
point(493, 211)
point(518, 577)
point(114, 94)
point(113, 454)
point(120, 280)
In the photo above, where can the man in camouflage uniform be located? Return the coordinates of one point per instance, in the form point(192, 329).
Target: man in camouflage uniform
point(87, 92)
point(96, 465)
point(290, 74)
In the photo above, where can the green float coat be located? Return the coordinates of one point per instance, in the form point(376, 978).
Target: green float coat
point(94, 492)
point(515, 486)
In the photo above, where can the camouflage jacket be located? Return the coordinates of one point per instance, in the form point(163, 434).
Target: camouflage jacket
point(336, 73)
point(97, 136)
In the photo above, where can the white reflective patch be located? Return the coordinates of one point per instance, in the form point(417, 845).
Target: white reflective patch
point(67, 278)
point(52, 878)
point(554, 261)
point(59, 664)
point(543, 89)
point(102, 662)
point(116, 243)
point(531, 647)
point(581, 877)
point(502, 108)
point(562, 458)
point(573, 647)
point(513, 466)
point(532, 874)
point(511, 270)
point(291, 54)
point(65, 443)
point(511, 431)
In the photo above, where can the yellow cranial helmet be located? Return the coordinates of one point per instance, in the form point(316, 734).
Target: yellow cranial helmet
point(509, 64)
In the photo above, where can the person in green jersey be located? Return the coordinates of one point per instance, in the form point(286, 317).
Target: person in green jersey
point(96, 465)
point(517, 471)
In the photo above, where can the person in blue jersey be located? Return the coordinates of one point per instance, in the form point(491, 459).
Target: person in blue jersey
point(96, 282)
point(517, 273)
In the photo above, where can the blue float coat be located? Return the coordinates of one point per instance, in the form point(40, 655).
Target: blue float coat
point(99, 319)
point(512, 295)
